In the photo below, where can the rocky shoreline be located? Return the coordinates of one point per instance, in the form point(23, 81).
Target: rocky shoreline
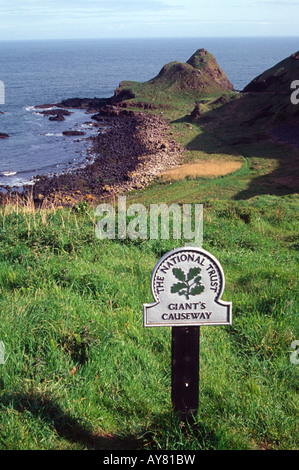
point(131, 148)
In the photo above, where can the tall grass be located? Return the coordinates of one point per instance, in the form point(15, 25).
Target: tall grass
point(208, 169)
point(81, 371)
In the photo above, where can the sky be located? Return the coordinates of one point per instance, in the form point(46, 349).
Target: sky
point(70, 19)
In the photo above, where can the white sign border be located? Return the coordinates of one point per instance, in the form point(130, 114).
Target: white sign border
point(217, 298)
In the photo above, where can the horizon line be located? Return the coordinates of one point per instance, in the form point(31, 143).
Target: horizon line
point(149, 37)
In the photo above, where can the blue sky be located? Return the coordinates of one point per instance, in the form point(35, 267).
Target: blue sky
point(57, 19)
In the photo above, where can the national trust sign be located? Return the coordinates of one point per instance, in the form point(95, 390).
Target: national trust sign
point(187, 284)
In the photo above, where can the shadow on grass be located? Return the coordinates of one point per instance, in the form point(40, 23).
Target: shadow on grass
point(227, 130)
point(166, 431)
point(169, 432)
point(73, 429)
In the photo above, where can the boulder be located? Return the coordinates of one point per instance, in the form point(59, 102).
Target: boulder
point(112, 111)
point(195, 113)
point(58, 117)
point(54, 112)
point(68, 133)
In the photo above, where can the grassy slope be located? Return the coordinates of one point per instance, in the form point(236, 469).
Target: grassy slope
point(82, 372)
point(80, 367)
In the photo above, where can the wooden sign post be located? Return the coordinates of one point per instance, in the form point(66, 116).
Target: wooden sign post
point(187, 284)
point(185, 370)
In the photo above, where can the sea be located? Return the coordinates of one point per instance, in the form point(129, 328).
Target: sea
point(34, 73)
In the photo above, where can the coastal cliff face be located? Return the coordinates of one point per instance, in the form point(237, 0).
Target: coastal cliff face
point(265, 102)
point(261, 123)
point(272, 90)
point(277, 78)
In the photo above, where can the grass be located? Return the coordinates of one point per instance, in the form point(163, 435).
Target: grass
point(81, 372)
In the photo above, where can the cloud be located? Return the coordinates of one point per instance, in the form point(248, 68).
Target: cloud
point(36, 6)
point(48, 11)
point(279, 3)
point(106, 18)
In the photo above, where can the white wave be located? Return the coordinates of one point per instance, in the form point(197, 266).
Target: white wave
point(50, 134)
point(38, 110)
point(9, 173)
point(33, 110)
point(45, 109)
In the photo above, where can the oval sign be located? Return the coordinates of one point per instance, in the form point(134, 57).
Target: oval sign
point(187, 284)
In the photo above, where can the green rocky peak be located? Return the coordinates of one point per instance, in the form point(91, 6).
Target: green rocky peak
point(207, 64)
point(200, 72)
point(197, 78)
point(200, 59)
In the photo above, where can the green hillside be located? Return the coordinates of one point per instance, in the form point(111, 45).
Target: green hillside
point(199, 76)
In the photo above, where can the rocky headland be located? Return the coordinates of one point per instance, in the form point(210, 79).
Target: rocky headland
point(277, 108)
